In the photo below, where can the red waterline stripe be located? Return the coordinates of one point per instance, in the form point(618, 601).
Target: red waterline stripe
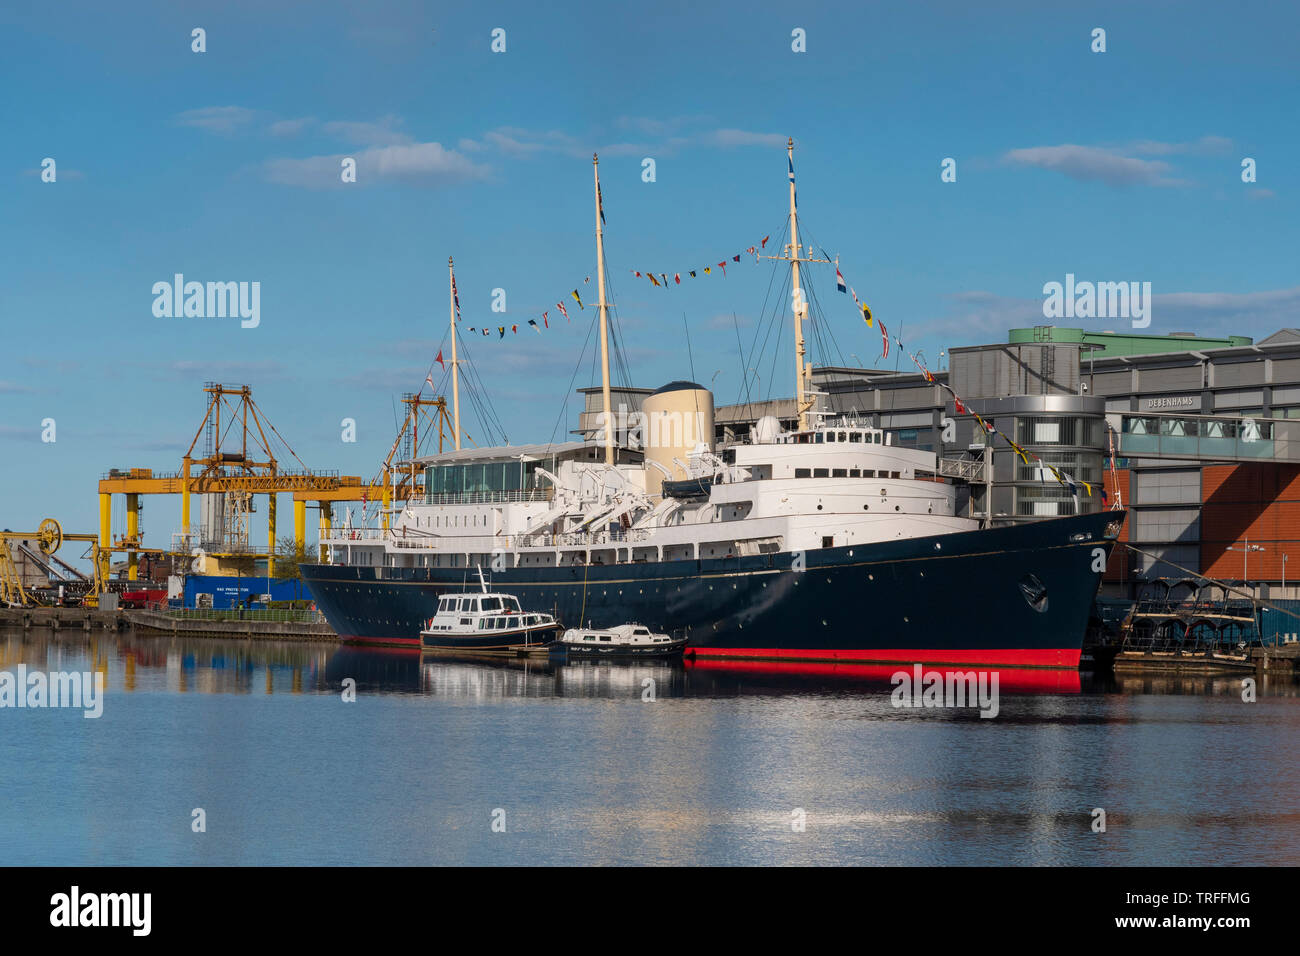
point(1015, 679)
point(1056, 657)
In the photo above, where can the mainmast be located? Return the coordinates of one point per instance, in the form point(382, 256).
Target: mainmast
point(455, 367)
point(801, 384)
point(803, 390)
point(604, 320)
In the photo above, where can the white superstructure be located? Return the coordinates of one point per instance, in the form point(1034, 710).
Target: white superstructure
point(838, 484)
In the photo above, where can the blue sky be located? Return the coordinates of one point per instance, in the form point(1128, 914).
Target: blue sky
point(1123, 165)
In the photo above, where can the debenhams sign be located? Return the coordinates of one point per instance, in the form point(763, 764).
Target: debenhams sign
point(1171, 401)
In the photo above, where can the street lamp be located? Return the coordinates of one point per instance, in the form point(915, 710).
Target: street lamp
point(1245, 550)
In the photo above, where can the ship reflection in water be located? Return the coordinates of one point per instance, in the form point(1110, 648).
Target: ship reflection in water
point(262, 736)
point(208, 666)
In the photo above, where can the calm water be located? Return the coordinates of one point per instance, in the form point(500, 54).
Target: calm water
point(587, 772)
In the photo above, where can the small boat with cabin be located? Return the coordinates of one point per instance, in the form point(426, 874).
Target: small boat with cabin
point(486, 622)
point(623, 640)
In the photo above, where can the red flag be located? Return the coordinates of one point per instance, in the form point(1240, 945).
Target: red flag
point(763, 244)
point(514, 329)
point(440, 361)
point(563, 311)
point(723, 266)
point(677, 276)
point(544, 322)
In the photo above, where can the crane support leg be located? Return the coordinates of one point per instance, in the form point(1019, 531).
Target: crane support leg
point(326, 526)
point(185, 503)
point(299, 526)
point(270, 535)
point(105, 533)
point(133, 536)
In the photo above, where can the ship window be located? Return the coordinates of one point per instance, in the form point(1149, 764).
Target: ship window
point(840, 473)
point(821, 473)
point(802, 473)
point(843, 436)
point(491, 604)
point(641, 630)
point(465, 621)
point(893, 474)
point(817, 438)
point(855, 436)
point(855, 473)
point(604, 637)
point(868, 473)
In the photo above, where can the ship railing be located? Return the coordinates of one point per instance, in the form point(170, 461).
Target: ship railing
point(486, 497)
point(353, 534)
point(578, 538)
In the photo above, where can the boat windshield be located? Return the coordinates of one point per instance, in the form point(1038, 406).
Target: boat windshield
point(491, 604)
point(510, 604)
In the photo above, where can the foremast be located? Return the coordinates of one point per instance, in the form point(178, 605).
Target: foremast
point(608, 426)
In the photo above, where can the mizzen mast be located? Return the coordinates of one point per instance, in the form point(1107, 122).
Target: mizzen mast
point(604, 320)
point(455, 366)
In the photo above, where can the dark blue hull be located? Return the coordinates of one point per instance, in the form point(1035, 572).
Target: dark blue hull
point(1013, 596)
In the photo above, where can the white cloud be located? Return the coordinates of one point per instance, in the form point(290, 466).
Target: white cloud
point(1095, 164)
point(382, 132)
point(291, 127)
point(218, 119)
point(740, 137)
point(427, 162)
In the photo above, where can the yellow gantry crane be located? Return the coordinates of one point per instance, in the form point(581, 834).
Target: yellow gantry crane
point(239, 459)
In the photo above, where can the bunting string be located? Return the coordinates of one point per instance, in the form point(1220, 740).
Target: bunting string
point(1064, 478)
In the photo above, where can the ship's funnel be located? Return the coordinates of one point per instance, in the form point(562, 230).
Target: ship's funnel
point(675, 419)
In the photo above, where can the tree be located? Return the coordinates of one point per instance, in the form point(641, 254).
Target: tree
point(288, 557)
